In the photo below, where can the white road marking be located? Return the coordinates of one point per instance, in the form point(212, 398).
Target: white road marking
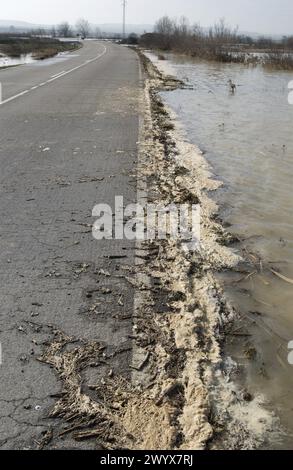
point(14, 97)
point(56, 74)
point(62, 74)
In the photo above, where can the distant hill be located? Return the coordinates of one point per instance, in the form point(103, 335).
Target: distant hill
point(19, 25)
point(111, 28)
point(130, 28)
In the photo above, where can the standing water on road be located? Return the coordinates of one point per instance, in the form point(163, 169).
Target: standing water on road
point(6, 61)
point(247, 139)
point(23, 59)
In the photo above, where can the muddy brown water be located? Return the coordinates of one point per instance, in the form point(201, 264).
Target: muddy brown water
point(247, 139)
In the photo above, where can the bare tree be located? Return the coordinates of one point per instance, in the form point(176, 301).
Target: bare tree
point(83, 27)
point(165, 26)
point(182, 34)
point(178, 35)
point(183, 26)
point(53, 32)
point(97, 33)
point(64, 30)
point(39, 32)
point(221, 33)
point(165, 29)
point(289, 42)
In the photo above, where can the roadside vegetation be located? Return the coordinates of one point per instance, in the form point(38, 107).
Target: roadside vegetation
point(220, 42)
point(279, 61)
point(44, 43)
point(40, 48)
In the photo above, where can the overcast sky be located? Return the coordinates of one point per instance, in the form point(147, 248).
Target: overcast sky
point(264, 16)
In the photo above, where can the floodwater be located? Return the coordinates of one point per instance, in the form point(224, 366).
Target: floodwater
point(247, 138)
point(6, 61)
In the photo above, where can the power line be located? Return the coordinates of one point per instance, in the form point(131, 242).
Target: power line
point(124, 18)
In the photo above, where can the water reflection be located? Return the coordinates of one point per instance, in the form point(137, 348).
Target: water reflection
point(6, 61)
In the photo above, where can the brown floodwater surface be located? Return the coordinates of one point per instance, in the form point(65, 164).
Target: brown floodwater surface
point(247, 138)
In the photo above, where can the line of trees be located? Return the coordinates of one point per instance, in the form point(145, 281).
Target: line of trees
point(171, 33)
point(217, 42)
point(66, 30)
point(180, 36)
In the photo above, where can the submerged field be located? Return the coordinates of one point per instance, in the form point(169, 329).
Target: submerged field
point(39, 48)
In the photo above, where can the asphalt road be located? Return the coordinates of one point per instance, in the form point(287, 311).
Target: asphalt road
point(68, 140)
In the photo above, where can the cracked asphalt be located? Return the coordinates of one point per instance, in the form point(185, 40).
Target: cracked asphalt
point(65, 146)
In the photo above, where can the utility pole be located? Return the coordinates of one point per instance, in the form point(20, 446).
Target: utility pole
point(124, 18)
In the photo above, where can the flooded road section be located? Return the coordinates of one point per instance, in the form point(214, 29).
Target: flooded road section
point(6, 61)
point(24, 59)
point(248, 141)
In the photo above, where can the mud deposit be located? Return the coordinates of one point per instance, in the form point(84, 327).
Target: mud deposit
point(180, 393)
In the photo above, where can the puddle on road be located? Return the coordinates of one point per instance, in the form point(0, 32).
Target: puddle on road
point(27, 59)
point(6, 61)
point(247, 139)
point(63, 56)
